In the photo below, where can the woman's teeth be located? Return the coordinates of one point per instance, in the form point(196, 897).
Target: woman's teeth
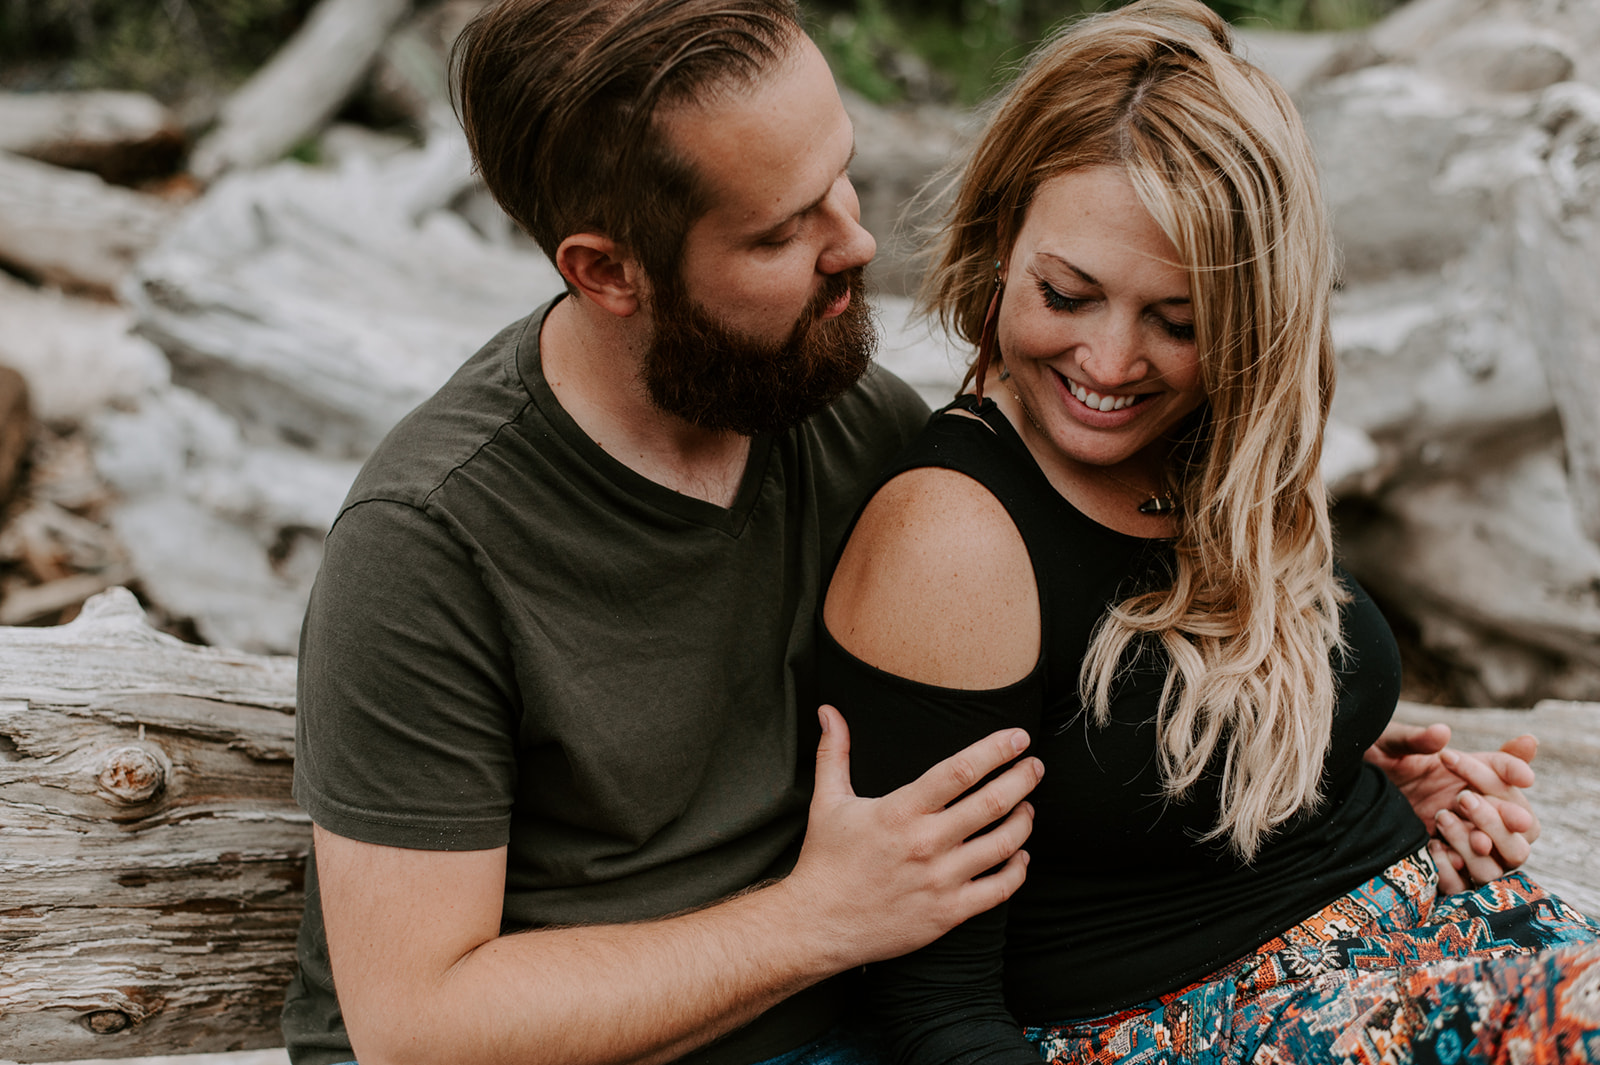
point(1096, 401)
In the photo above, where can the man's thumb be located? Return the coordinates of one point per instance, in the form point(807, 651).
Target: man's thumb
point(833, 756)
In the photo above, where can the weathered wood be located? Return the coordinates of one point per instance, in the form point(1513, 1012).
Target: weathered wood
point(1566, 859)
point(16, 426)
point(151, 859)
point(72, 229)
point(78, 355)
point(296, 93)
point(122, 136)
point(1557, 253)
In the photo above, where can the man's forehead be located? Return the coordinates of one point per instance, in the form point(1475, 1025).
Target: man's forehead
point(769, 149)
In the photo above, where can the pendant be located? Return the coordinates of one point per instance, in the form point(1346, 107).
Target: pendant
point(1159, 505)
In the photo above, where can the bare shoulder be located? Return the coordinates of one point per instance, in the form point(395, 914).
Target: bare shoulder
point(935, 585)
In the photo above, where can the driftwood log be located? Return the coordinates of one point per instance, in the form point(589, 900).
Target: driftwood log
point(151, 858)
point(295, 94)
point(122, 136)
point(70, 228)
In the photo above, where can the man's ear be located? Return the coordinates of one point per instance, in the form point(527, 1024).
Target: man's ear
point(598, 269)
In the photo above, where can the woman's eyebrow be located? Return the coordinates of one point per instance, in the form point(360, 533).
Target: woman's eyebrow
point(1090, 279)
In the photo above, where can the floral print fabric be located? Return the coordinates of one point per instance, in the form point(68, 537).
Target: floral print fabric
point(1386, 975)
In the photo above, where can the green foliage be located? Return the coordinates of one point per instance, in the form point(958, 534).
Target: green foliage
point(165, 47)
point(971, 47)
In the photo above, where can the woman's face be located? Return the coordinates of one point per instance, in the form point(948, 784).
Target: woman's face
point(1096, 326)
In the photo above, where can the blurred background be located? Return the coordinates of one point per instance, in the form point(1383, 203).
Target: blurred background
point(240, 238)
point(190, 52)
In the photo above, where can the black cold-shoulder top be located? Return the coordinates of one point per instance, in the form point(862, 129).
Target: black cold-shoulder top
point(1122, 903)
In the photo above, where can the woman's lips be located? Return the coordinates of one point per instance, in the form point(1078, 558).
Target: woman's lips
point(1100, 410)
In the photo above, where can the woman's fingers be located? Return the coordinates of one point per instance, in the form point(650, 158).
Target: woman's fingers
point(1444, 860)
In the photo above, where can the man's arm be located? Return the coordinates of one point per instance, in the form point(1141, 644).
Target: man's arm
point(423, 974)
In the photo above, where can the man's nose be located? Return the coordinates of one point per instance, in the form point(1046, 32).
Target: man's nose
point(852, 245)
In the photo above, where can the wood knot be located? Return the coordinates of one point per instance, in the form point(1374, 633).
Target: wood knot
point(104, 1022)
point(132, 774)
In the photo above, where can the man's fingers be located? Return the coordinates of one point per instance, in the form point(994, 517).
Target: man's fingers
point(991, 848)
point(1523, 747)
point(833, 756)
point(1489, 774)
point(996, 800)
point(987, 892)
point(1399, 740)
point(958, 774)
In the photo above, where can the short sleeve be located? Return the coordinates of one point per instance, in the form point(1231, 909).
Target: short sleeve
point(407, 706)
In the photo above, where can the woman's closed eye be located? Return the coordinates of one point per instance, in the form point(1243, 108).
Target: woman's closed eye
point(1057, 300)
point(1183, 331)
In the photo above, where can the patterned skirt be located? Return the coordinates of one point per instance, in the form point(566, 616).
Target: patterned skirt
point(1385, 974)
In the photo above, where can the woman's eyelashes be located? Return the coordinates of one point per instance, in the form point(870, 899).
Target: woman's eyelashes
point(1183, 331)
point(1060, 301)
point(1057, 300)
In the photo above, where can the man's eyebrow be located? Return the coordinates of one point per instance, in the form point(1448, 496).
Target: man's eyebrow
point(814, 204)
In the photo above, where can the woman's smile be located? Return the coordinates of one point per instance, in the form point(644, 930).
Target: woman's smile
point(1096, 327)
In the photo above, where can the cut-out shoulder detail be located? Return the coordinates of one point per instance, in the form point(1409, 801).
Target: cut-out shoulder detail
point(962, 412)
point(936, 585)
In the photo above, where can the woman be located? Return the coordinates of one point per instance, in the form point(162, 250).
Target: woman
point(1119, 539)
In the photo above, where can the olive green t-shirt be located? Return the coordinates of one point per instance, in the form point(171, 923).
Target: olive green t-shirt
point(516, 640)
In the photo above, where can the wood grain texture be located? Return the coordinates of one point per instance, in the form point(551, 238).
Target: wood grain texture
point(151, 858)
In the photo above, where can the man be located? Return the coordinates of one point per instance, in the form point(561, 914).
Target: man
point(554, 722)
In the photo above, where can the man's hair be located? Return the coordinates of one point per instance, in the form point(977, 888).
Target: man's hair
point(1217, 154)
point(559, 101)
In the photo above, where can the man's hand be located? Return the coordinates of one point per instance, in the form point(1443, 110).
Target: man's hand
point(885, 876)
point(1473, 804)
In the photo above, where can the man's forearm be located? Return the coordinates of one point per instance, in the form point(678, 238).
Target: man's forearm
point(595, 995)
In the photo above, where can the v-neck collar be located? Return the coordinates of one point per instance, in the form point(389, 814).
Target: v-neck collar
point(730, 520)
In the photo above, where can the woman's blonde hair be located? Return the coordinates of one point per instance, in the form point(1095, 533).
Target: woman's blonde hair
point(1218, 156)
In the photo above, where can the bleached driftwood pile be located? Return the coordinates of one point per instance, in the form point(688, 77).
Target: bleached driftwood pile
point(303, 309)
point(1460, 142)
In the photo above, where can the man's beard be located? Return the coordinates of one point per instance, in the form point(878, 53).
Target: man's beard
point(716, 378)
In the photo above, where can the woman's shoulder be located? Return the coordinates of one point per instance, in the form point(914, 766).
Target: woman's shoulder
point(936, 585)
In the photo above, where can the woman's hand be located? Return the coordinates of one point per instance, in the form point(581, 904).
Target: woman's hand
point(1473, 804)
